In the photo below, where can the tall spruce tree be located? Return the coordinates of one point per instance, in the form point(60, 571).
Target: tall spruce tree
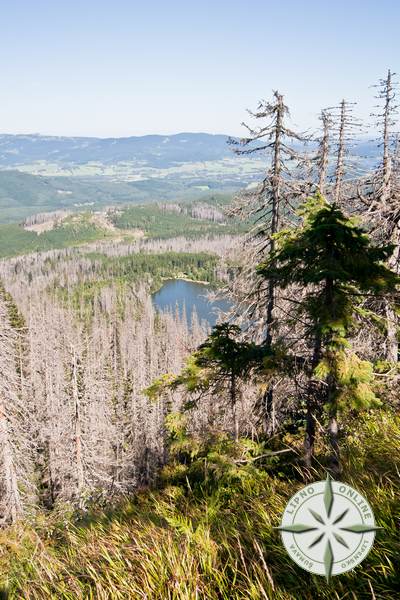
point(335, 263)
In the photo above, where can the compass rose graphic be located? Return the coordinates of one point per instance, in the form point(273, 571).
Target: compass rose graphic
point(328, 528)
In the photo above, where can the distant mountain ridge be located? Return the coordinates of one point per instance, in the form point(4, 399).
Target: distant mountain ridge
point(154, 150)
point(46, 173)
point(158, 151)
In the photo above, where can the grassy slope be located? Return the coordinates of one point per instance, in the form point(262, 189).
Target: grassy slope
point(210, 538)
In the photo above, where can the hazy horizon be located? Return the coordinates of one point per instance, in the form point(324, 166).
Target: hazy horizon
point(363, 137)
point(110, 137)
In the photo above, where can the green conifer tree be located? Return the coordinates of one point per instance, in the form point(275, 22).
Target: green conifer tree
point(219, 364)
point(335, 264)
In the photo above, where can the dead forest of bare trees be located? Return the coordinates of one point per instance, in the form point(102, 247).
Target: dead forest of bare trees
point(75, 424)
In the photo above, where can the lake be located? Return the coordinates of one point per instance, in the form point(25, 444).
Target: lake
point(188, 295)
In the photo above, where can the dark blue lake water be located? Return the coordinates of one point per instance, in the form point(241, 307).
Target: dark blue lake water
point(188, 295)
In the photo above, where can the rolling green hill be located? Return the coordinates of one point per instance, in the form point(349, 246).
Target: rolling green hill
point(149, 221)
point(15, 240)
point(23, 194)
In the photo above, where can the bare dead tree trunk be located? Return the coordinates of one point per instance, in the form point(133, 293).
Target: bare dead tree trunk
point(345, 125)
point(324, 148)
point(12, 499)
point(48, 476)
point(15, 451)
point(80, 471)
point(392, 343)
point(386, 158)
point(339, 170)
point(276, 192)
point(333, 430)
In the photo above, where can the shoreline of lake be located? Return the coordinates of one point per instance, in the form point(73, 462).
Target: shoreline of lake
point(178, 278)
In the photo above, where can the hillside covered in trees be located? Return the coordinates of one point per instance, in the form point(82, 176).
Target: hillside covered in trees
point(145, 457)
point(63, 228)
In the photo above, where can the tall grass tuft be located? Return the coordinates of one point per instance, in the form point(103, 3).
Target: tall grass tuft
point(208, 531)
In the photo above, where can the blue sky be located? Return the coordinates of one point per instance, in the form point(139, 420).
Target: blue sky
point(119, 67)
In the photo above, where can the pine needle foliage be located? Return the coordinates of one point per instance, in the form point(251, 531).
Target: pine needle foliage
point(219, 360)
point(332, 260)
point(336, 265)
